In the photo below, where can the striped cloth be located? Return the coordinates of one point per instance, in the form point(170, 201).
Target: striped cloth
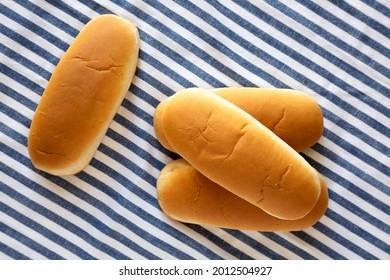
point(337, 51)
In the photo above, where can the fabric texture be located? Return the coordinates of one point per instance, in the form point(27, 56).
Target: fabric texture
point(337, 51)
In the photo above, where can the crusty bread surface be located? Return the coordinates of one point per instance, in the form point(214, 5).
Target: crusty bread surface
point(236, 151)
point(83, 94)
point(185, 195)
point(292, 115)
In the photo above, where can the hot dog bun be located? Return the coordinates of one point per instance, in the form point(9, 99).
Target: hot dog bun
point(236, 151)
point(186, 195)
point(292, 115)
point(83, 94)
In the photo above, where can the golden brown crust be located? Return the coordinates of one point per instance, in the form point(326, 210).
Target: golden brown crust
point(83, 95)
point(184, 194)
point(233, 149)
point(292, 115)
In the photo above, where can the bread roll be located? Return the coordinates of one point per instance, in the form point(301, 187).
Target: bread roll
point(236, 151)
point(292, 115)
point(83, 94)
point(184, 194)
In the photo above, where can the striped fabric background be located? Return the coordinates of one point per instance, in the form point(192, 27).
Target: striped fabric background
point(337, 51)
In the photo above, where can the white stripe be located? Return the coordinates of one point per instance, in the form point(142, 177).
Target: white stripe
point(302, 69)
point(29, 74)
point(27, 53)
point(107, 200)
point(303, 245)
point(273, 246)
point(3, 256)
point(349, 176)
point(325, 84)
point(185, 52)
point(332, 244)
point(334, 29)
point(59, 14)
point(31, 36)
point(355, 161)
point(368, 11)
point(20, 247)
point(139, 202)
point(322, 42)
point(15, 105)
point(41, 22)
point(28, 231)
point(58, 209)
point(356, 23)
point(359, 241)
point(238, 244)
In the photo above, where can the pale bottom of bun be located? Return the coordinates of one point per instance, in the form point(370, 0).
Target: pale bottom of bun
point(185, 195)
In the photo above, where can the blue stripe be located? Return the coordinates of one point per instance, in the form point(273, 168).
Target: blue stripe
point(151, 80)
point(72, 208)
point(137, 190)
point(360, 213)
point(134, 148)
point(344, 241)
point(226, 246)
point(304, 61)
point(359, 173)
point(340, 43)
point(124, 202)
point(346, 27)
point(288, 245)
point(361, 155)
point(359, 231)
point(81, 213)
point(378, 7)
point(319, 245)
point(139, 112)
point(9, 251)
point(165, 69)
point(194, 49)
point(357, 132)
point(363, 17)
point(24, 61)
point(26, 240)
point(355, 190)
point(34, 225)
point(255, 245)
point(320, 50)
point(34, 28)
point(18, 97)
point(68, 10)
point(96, 7)
point(143, 95)
point(178, 58)
point(52, 19)
point(21, 79)
point(14, 115)
point(137, 131)
point(28, 44)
